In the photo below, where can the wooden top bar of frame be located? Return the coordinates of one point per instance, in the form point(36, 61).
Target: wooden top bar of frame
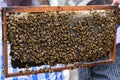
point(57, 8)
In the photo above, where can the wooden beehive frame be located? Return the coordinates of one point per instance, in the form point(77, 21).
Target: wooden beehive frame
point(45, 9)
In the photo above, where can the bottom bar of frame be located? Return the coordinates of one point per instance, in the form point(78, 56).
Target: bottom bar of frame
point(29, 72)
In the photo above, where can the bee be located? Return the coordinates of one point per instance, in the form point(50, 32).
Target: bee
point(58, 37)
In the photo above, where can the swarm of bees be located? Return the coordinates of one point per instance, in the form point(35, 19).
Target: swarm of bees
point(50, 38)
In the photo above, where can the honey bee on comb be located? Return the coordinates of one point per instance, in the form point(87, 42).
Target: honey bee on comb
point(50, 38)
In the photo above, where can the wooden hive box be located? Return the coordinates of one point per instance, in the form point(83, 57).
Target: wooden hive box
point(81, 49)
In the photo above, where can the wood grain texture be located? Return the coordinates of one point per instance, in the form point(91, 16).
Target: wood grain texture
point(57, 8)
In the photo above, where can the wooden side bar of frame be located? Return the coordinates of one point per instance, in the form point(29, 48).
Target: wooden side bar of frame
point(4, 38)
point(45, 9)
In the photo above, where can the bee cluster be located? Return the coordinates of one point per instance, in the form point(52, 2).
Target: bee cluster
point(50, 38)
